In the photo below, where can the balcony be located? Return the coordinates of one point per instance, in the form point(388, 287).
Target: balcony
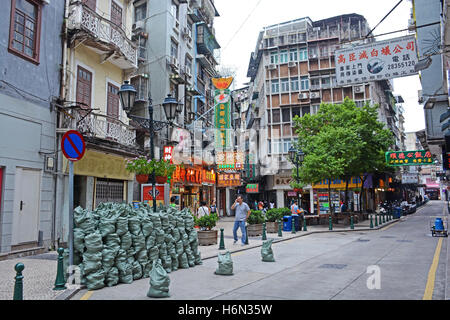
point(98, 126)
point(206, 41)
point(102, 36)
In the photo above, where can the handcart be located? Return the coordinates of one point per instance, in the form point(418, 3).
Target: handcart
point(439, 226)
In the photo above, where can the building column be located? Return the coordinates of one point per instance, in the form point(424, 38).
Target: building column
point(130, 189)
point(311, 200)
point(89, 200)
point(280, 198)
point(227, 209)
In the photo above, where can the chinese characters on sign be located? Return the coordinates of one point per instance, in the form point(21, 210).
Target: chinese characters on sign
point(222, 117)
point(409, 158)
point(228, 179)
point(168, 151)
point(376, 61)
point(230, 160)
point(252, 188)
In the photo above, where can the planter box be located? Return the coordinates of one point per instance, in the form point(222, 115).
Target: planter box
point(207, 238)
point(255, 230)
point(271, 227)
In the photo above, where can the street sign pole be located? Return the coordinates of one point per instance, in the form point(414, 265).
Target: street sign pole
point(70, 213)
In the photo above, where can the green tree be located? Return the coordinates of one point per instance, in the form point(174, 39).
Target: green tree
point(341, 141)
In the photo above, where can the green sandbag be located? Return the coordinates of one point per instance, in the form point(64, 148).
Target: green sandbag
point(164, 221)
point(190, 256)
point(141, 256)
point(106, 226)
point(108, 258)
point(93, 242)
point(179, 247)
point(92, 262)
point(112, 277)
point(176, 234)
point(147, 226)
point(77, 259)
point(134, 225)
point(198, 258)
point(146, 268)
point(155, 220)
point(159, 282)
point(169, 239)
point(138, 242)
point(126, 241)
point(167, 264)
point(267, 252)
point(137, 270)
point(130, 256)
point(174, 266)
point(121, 225)
point(150, 242)
point(153, 254)
point(225, 267)
point(126, 275)
point(185, 239)
point(95, 280)
point(112, 241)
point(160, 235)
point(194, 246)
point(171, 251)
point(78, 240)
point(183, 261)
point(193, 236)
point(84, 220)
point(121, 260)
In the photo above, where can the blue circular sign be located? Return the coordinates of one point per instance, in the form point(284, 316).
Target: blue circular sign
point(73, 145)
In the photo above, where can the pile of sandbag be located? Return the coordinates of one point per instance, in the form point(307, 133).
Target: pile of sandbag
point(118, 243)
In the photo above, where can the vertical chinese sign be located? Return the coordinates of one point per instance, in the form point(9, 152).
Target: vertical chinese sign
point(409, 158)
point(222, 113)
point(379, 60)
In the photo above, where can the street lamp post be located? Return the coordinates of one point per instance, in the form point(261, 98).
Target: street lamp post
point(172, 108)
point(297, 156)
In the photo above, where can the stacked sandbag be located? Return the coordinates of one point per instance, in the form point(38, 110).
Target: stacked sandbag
point(118, 243)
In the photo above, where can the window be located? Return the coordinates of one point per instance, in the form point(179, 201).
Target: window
point(188, 64)
point(292, 38)
point(284, 85)
point(276, 116)
point(274, 57)
point(296, 112)
point(140, 84)
point(304, 83)
point(286, 114)
point(303, 54)
point(116, 14)
point(140, 12)
point(112, 103)
point(326, 82)
point(275, 86)
point(280, 40)
point(25, 29)
point(305, 110)
point(174, 49)
point(286, 145)
point(269, 146)
point(315, 109)
point(91, 4)
point(315, 83)
point(268, 117)
point(284, 56)
point(84, 87)
point(276, 147)
point(313, 52)
point(293, 55)
point(294, 84)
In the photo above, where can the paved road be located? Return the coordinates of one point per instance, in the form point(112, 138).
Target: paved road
point(320, 266)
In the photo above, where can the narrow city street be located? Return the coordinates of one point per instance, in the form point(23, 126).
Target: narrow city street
point(412, 265)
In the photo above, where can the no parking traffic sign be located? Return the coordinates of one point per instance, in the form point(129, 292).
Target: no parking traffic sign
point(72, 145)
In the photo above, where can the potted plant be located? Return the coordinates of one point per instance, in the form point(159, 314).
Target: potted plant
point(298, 187)
point(255, 223)
point(207, 236)
point(163, 170)
point(274, 215)
point(141, 166)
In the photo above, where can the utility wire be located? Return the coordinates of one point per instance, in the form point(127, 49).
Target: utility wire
point(370, 32)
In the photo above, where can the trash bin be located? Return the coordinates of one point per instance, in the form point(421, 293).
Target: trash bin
point(297, 222)
point(397, 212)
point(287, 223)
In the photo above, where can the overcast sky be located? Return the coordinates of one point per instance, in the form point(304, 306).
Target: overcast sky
point(240, 22)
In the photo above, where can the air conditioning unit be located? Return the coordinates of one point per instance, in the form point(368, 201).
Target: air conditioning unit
point(313, 56)
point(303, 95)
point(359, 89)
point(271, 67)
point(315, 95)
point(292, 64)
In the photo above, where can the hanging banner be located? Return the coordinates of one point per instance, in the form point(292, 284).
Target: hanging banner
point(409, 158)
point(375, 61)
point(222, 113)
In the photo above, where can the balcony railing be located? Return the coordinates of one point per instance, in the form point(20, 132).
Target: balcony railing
point(104, 33)
point(99, 126)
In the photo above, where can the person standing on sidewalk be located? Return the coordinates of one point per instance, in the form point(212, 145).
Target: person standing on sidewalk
point(242, 214)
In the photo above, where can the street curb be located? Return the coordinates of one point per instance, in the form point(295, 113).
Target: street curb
point(307, 233)
point(67, 294)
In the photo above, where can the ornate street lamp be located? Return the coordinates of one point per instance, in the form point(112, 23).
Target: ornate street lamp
point(296, 156)
point(127, 94)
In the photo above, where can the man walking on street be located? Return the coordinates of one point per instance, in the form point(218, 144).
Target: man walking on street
point(242, 214)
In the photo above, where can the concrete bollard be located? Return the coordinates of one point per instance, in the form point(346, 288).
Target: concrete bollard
point(246, 234)
point(280, 234)
point(384, 218)
point(264, 236)
point(222, 241)
point(18, 285)
point(304, 224)
point(330, 223)
point(352, 226)
point(293, 224)
point(60, 282)
point(371, 222)
point(376, 221)
point(379, 219)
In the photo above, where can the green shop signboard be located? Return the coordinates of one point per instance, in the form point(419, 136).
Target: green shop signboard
point(409, 158)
